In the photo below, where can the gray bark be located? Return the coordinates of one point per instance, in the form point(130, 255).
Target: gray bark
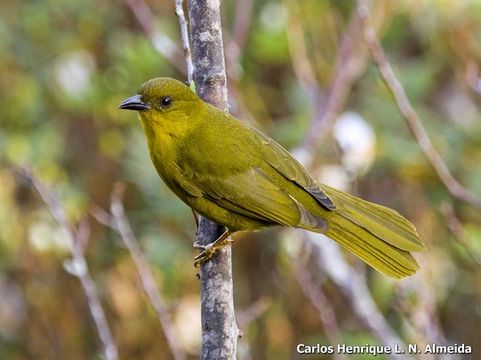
point(208, 52)
point(219, 328)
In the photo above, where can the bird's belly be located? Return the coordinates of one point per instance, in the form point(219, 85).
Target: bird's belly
point(230, 219)
point(170, 171)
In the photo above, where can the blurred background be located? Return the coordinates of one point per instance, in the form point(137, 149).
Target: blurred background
point(65, 66)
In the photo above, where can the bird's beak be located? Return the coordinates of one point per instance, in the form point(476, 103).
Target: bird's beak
point(134, 103)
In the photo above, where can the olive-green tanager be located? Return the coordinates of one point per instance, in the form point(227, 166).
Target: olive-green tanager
point(242, 179)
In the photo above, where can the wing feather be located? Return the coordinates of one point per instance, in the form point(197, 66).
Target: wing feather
point(283, 162)
point(252, 193)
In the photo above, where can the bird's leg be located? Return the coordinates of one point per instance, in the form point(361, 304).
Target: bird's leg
point(196, 218)
point(212, 248)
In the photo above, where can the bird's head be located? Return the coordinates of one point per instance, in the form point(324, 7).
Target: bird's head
point(162, 101)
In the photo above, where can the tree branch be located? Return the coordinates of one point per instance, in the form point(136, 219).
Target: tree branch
point(353, 284)
point(314, 292)
point(160, 42)
point(456, 227)
point(77, 266)
point(417, 129)
point(236, 45)
point(219, 328)
point(118, 221)
point(184, 33)
point(350, 62)
point(349, 65)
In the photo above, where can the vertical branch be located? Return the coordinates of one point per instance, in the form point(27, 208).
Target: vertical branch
point(208, 52)
point(219, 328)
point(184, 33)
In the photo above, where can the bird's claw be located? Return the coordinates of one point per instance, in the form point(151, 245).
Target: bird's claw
point(198, 245)
point(209, 250)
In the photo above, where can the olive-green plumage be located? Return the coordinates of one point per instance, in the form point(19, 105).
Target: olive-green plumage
point(242, 179)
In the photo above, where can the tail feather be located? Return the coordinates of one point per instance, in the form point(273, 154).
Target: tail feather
point(378, 235)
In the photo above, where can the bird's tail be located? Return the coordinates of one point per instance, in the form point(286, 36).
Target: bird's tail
point(378, 235)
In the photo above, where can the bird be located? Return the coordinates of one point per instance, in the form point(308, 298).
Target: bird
point(240, 178)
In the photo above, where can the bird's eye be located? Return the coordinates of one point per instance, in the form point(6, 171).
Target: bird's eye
point(165, 102)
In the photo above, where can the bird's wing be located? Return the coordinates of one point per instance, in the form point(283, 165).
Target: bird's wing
point(253, 194)
point(237, 176)
point(283, 162)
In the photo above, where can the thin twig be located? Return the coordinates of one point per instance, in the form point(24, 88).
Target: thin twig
point(160, 42)
point(424, 316)
point(253, 312)
point(421, 319)
point(241, 24)
point(319, 300)
point(303, 67)
point(350, 64)
point(455, 188)
point(77, 266)
point(456, 227)
point(119, 222)
point(236, 45)
point(184, 33)
point(353, 284)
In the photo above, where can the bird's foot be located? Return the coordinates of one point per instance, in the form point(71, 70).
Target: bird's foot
point(210, 249)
